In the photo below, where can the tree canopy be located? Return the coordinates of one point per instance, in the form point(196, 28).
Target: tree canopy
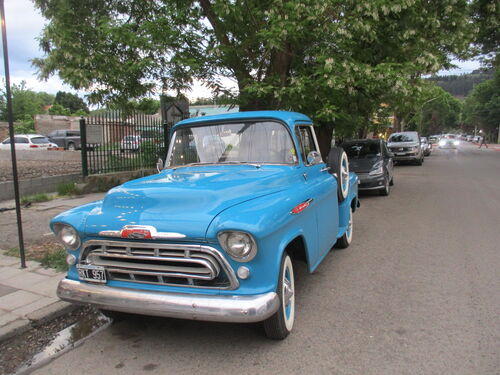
point(71, 102)
point(335, 60)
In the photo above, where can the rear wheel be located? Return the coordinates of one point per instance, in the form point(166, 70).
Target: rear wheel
point(71, 147)
point(280, 325)
point(346, 239)
point(339, 164)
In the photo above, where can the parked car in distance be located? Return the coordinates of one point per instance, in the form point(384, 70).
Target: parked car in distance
point(426, 146)
point(470, 138)
point(131, 143)
point(69, 139)
point(28, 142)
point(448, 143)
point(212, 236)
point(433, 139)
point(372, 162)
point(406, 147)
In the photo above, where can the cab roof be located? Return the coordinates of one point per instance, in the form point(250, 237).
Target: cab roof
point(289, 118)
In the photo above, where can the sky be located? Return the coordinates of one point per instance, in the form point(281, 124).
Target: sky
point(24, 24)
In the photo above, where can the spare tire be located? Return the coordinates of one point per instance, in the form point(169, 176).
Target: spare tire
point(339, 164)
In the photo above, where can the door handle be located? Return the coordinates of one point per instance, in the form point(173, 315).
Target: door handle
point(326, 169)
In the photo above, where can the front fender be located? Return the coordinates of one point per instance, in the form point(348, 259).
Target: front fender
point(270, 221)
point(76, 217)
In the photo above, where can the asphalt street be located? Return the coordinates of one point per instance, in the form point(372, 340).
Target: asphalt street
point(417, 292)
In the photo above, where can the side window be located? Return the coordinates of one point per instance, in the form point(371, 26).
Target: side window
point(6, 142)
point(73, 134)
point(306, 140)
point(21, 140)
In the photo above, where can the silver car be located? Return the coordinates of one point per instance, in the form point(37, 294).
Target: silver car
point(406, 147)
point(426, 146)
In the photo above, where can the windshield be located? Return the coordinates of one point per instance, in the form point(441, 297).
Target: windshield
point(402, 138)
point(39, 140)
point(362, 150)
point(259, 142)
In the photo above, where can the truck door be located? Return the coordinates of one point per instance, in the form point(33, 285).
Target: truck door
point(323, 191)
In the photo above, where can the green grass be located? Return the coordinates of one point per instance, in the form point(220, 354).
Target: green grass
point(50, 255)
point(40, 197)
point(13, 252)
point(68, 188)
point(55, 259)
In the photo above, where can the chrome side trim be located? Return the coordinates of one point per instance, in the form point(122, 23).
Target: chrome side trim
point(216, 308)
point(231, 275)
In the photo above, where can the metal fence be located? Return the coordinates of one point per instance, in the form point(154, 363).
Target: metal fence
point(115, 142)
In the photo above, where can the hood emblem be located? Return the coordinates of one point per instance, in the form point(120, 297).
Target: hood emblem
point(147, 232)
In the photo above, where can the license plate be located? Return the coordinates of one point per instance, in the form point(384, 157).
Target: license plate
point(92, 273)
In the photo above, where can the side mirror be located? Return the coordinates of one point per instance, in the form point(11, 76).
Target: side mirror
point(159, 165)
point(313, 158)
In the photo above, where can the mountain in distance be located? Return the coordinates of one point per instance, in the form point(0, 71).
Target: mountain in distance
point(461, 85)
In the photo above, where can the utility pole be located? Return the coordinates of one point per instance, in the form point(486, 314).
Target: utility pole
point(11, 134)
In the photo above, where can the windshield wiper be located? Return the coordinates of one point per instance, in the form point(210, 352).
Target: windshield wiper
point(241, 162)
point(190, 165)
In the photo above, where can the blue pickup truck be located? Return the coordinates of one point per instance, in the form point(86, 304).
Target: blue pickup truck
point(213, 235)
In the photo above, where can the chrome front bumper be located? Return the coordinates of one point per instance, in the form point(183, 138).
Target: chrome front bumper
point(216, 308)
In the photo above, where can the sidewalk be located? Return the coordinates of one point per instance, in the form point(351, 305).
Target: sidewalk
point(28, 296)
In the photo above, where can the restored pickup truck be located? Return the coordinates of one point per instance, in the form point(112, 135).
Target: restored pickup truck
point(212, 236)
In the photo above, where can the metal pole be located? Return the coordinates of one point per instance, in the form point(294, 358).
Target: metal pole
point(11, 134)
point(83, 147)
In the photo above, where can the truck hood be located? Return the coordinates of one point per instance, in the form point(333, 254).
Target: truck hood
point(185, 200)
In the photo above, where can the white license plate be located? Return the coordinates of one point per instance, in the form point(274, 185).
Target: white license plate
point(92, 273)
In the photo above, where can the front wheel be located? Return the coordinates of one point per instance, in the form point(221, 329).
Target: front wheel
point(386, 189)
point(346, 239)
point(280, 325)
point(71, 147)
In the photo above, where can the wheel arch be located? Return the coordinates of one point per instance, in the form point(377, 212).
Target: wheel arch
point(296, 247)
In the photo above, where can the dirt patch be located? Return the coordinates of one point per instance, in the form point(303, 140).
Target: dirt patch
point(38, 168)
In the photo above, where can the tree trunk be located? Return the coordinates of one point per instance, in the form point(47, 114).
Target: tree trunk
point(324, 134)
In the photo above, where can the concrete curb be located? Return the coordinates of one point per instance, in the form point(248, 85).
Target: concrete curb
point(36, 318)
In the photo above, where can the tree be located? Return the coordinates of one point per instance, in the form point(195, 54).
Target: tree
point(482, 107)
point(25, 102)
point(486, 16)
point(70, 101)
point(334, 60)
point(58, 109)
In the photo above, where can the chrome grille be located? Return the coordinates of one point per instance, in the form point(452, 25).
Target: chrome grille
point(163, 264)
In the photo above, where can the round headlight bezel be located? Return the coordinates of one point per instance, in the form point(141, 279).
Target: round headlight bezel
point(63, 232)
point(226, 237)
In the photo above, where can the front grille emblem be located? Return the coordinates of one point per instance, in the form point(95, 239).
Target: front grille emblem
point(147, 232)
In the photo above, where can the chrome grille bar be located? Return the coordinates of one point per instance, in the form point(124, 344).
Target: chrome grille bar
point(165, 264)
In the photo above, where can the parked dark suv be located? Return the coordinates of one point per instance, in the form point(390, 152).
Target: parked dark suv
point(372, 162)
point(69, 139)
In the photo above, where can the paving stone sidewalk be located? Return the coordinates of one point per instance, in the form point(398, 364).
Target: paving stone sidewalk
point(27, 296)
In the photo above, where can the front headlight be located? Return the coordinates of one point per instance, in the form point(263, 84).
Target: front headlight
point(456, 143)
point(240, 246)
point(67, 235)
point(377, 171)
point(442, 143)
